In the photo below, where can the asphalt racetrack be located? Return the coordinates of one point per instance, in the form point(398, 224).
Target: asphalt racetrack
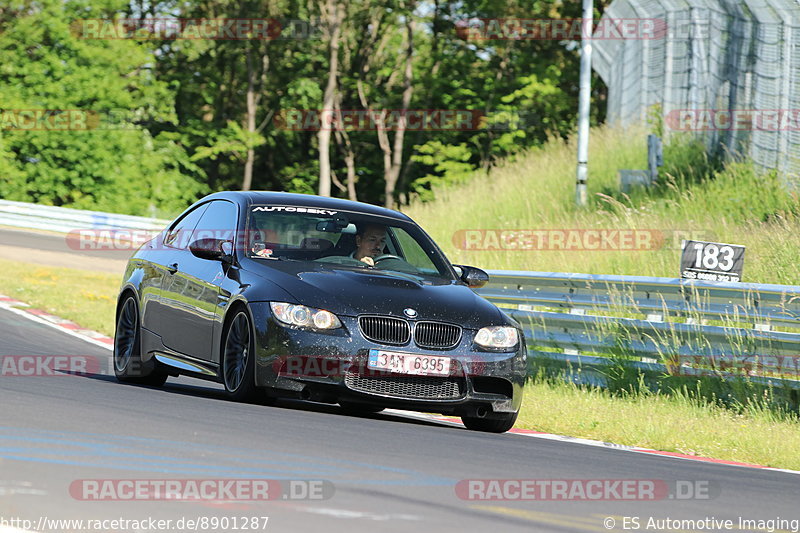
point(335, 472)
point(55, 249)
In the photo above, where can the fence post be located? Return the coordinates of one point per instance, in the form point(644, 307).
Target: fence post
point(584, 101)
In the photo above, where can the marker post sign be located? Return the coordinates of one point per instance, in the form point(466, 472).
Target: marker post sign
point(712, 261)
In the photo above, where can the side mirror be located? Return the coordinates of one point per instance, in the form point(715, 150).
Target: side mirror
point(213, 249)
point(475, 278)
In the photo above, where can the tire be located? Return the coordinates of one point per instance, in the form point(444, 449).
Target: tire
point(360, 408)
point(128, 364)
point(238, 359)
point(490, 425)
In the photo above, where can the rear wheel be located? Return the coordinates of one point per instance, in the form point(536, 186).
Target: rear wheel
point(490, 425)
point(128, 364)
point(238, 360)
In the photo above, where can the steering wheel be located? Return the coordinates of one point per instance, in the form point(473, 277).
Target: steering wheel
point(387, 256)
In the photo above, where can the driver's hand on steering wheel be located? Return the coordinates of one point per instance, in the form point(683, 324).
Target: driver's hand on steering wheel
point(388, 256)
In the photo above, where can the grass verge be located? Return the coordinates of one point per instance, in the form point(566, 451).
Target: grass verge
point(676, 422)
point(87, 298)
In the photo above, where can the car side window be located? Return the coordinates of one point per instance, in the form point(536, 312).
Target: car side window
point(411, 251)
point(181, 231)
point(218, 222)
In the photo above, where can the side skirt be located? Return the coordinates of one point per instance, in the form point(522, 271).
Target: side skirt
point(186, 365)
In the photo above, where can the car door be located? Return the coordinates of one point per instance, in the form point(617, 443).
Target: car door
point(191, 290)
point(159, 272)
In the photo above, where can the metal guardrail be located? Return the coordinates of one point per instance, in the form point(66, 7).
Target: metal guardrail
point(64, 220)
point(660, 325)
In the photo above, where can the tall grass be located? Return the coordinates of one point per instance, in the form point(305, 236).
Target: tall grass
point(680, 422)
point(694, 196)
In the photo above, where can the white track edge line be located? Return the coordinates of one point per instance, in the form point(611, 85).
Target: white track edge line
point(41, 320)
point(601, 444)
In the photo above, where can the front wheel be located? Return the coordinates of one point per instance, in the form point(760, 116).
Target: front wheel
point(128, 364)
point(238, 359)
point(490, 425)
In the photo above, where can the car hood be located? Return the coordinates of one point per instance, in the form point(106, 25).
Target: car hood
point(352, 292)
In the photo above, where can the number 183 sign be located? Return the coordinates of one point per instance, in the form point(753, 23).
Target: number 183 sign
point(712, 261)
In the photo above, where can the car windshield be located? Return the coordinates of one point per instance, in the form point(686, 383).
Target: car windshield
point(343, 239)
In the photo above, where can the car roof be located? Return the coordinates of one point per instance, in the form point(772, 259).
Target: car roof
point(304, 200)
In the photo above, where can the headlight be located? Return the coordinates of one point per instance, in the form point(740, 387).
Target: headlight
point(304, 317)
point(497, 337)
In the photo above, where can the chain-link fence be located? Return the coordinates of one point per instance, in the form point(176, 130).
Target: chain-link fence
point(726, 70)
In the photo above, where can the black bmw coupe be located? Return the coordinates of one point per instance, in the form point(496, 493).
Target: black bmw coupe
point(291, 295)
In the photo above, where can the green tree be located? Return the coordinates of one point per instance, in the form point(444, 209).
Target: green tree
point(206, 114)
point(120, 166)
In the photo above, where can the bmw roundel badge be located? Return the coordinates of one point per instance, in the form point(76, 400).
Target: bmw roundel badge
point(410, 313)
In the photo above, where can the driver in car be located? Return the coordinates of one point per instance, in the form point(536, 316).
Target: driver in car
point(370, 241)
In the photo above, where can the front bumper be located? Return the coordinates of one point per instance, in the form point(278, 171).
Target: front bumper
point(331, 366)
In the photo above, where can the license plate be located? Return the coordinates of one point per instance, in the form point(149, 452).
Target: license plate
point(408, 363)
